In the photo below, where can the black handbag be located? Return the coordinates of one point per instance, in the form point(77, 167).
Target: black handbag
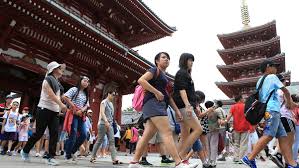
point(254, 109)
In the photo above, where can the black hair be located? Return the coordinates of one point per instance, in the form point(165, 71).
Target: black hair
point(295, 98)
point(238, 98)
point(157, 57)
point(200, 96)
point(219, 103)
point(183, 63)
point(209, 104)
point(78, 86)
point(109, 90)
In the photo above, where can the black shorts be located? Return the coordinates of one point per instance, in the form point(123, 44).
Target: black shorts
point(288, 124)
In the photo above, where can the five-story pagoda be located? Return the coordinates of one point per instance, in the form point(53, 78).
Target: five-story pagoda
point(243, 53)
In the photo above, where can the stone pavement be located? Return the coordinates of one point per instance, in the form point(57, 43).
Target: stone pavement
point(16, 162)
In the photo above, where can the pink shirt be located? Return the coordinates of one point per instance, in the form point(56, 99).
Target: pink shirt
point(296, 113)
point(23, 129)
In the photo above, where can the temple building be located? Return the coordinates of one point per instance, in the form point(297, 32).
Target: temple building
point(243, 53)
point(93, 38)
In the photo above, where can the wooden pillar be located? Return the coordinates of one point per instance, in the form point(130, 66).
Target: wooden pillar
point(95, 99)
point(118, 105)
point(25, 101)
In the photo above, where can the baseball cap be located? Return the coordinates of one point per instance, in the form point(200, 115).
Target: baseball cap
point(268, 63)
point(53, 65)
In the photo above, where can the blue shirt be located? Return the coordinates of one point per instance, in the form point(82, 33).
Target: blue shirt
point(271, 83)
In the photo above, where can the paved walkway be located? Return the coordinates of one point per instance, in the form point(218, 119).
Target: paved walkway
point(16, 162)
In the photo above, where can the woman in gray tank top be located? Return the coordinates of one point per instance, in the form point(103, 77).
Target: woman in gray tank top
point(105, 122)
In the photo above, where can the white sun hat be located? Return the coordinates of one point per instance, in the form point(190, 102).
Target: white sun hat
point(53, 65)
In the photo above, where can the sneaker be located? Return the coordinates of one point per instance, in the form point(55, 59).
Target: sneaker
point(145, 163)
point(3, 152)
point(167, 161)
point(277, 159)
point(250, 163)
point(38, 155)
point(184, 165)
point(46, 155)
point(61, 153)
point(70, 161)
point(289, 166)
point(52, 161)
point(221, 159)
point(25, 156)
point(14, 153)
point(135, 165)
point(9, 153)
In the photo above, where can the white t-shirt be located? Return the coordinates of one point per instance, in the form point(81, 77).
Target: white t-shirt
point(46, 102)
point(117, 135)
point(11, 123)
point(284, 111)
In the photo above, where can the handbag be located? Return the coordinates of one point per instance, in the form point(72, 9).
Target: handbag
point(177, 127)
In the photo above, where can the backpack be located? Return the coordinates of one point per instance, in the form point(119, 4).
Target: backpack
point(254, 109)
point(137, 101)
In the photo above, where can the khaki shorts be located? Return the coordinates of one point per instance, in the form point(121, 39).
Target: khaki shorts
point(185, 116)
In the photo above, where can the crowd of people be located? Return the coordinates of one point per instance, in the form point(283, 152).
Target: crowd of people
point(175, 117)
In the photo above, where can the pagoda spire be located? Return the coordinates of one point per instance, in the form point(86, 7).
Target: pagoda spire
point(245, 14)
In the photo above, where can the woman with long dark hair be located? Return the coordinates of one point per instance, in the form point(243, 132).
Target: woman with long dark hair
point(77, 99)
point(185, 99)
point(155, 103)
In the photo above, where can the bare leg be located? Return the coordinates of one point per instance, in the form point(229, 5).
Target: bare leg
point(188, 138)
point(260, 145)
point(285, 149)
point(149, 131)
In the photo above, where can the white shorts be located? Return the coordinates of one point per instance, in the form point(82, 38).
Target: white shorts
point(252, 140)
point(23, 138)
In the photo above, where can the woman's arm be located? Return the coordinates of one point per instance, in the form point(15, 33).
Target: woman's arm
point(143, 81)
point(68, 101)
point(175, 108)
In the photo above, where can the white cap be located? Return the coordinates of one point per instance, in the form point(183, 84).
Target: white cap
point(53, 65)
point(89, 111)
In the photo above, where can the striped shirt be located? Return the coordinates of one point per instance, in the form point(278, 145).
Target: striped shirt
point(80, 100)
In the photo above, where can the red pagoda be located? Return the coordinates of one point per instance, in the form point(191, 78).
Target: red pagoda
point(243, 53)
point(92, 37)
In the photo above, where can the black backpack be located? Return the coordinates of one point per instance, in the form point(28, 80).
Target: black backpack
point(254, 109)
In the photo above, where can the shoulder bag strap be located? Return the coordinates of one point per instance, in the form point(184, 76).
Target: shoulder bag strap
point(270, 96)
point(172, 115)
point(262, 81)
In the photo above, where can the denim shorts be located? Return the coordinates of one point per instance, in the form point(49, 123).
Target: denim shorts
point(197, 146)
point(274, 127)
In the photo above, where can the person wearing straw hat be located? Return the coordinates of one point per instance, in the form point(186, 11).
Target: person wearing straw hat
point(49, 106)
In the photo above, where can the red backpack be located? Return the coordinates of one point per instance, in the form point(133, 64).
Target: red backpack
point(137, 101)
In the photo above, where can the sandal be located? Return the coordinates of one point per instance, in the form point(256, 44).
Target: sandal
point(117, 162)
point(92, 160)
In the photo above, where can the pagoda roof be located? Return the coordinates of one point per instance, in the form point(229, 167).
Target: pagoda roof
point(227, 70)
point(267, 31)
point(253, 46)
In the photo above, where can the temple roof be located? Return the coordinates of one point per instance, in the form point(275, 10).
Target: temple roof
point(253, 46)
point(263, 32)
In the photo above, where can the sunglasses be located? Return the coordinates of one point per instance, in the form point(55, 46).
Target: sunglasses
point(114, 94)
